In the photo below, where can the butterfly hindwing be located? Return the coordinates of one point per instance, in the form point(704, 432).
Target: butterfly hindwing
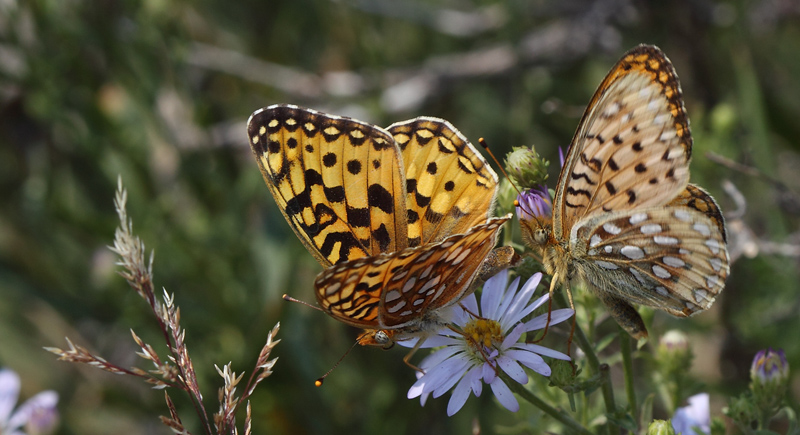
point(672, 258)
point(397, 289)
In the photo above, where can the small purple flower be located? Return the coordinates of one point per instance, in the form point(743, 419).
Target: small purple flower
point(695, 416)
point(488, 343)
point(535, 203)
point(38, 415)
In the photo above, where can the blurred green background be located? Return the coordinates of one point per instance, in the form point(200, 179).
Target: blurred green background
point(158, 92)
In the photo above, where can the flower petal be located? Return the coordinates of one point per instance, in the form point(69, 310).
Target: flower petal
point(456, 370)
point(530, 360)
point(474, 376)
point(696, 414)
point(493, 291)
point(504, 395)
point(520, 308)
point(436, 358)
point(436, 376)
point(556, 316)
point(459, 397)
point(541, 350)
point(513, 369)
point(513, 336)
point(42, 403)
point(509, 297)
point(9, 392)
point(487, 373)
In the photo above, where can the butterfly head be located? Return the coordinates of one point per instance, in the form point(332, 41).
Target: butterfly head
point(383, 338)
point(535, 212)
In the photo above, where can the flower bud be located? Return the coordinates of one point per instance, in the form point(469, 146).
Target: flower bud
point(673, 354)
point(526, 168)
point(660, 427)
point(769, 377)
point(561, 373)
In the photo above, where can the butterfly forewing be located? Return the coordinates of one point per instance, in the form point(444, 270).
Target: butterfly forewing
point(450, 187)
point(633, 146)
point(338, 181)
point(672, 258)
point(399, 289)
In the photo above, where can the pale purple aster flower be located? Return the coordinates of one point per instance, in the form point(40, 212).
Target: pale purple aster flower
point(488, 343)
point(696, 415)
point(38, 415)
point(535, 203)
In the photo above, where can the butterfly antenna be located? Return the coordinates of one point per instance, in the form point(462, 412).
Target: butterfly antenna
point(291, 299)
point(321, 379)
point(485, 146)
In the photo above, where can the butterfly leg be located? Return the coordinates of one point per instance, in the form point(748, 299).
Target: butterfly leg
point(626, 316)
point(407, 358)
point(553, 283)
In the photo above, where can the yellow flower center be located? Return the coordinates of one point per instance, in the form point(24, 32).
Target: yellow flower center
point(485, 333)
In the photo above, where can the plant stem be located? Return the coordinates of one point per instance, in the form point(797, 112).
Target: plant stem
point(582, 341)
point(558, 414)
point(608, 397)
point(627, 368)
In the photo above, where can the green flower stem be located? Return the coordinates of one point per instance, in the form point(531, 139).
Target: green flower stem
point(594, 365)
point(627, 368)
point(558, 414)
point(582, 341)
point(608, 396)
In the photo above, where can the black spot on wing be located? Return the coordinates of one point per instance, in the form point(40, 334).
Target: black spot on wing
point(358, 217)
point(329, 160)
point(378, 196)
point(381, 235)
point(354, 167)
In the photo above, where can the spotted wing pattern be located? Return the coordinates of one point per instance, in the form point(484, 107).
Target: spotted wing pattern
point(450, 188)
point(697, 198)
point(625, 221)
point(338, 182)
point(675, 255)
point(397, 290)
point(633, 145)
point(376, 207)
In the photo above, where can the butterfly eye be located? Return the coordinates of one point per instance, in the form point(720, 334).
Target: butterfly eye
point(540, 236)
point(382, 339)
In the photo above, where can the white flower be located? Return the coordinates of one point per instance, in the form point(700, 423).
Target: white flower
point(38, 415)
point(696, 415)
point(488, 343)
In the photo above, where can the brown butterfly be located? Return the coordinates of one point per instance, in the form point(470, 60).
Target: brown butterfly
point(625, 221)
